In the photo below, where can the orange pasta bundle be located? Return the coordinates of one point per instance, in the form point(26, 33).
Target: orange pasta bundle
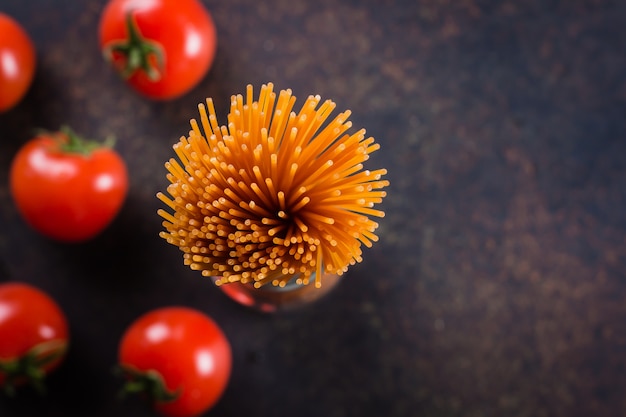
point(275, 194)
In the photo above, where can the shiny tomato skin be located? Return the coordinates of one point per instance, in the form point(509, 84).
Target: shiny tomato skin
point(17, 62)
point(30, 318)
point(185, 32)
point(68, 197)
point(187, 349)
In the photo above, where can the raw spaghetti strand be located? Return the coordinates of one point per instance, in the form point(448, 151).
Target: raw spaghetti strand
point(275, 193)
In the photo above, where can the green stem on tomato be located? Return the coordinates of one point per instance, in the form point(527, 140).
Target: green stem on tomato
point(148, 382)
point(30, 367)
point(70, 142)
point(137, 51)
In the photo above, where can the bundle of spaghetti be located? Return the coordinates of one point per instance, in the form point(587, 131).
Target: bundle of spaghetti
point(273, 194)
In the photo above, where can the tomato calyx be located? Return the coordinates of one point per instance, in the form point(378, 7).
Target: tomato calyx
point(68, 141)
point(73, 143)
point(30, 367)
point(136, 51)
point(148, 382)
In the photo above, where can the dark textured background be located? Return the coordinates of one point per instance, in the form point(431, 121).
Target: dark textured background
point(498, 287)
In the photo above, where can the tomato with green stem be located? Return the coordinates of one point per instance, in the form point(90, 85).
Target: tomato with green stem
point(162, 48)
point(68, 188)
point(33, 333)
point(178, 357)
point(17, 62)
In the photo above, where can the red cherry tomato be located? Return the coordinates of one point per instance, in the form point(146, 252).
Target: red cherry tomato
point(33, 335)
point(67, 188)
point(17, 62)
point(163, 48)
point(180, 357)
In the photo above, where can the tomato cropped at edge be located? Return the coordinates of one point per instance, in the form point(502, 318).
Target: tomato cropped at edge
point(17, 63)
point(66, 188)
point(179, 32)
point(187, 352)
point(33, 334)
